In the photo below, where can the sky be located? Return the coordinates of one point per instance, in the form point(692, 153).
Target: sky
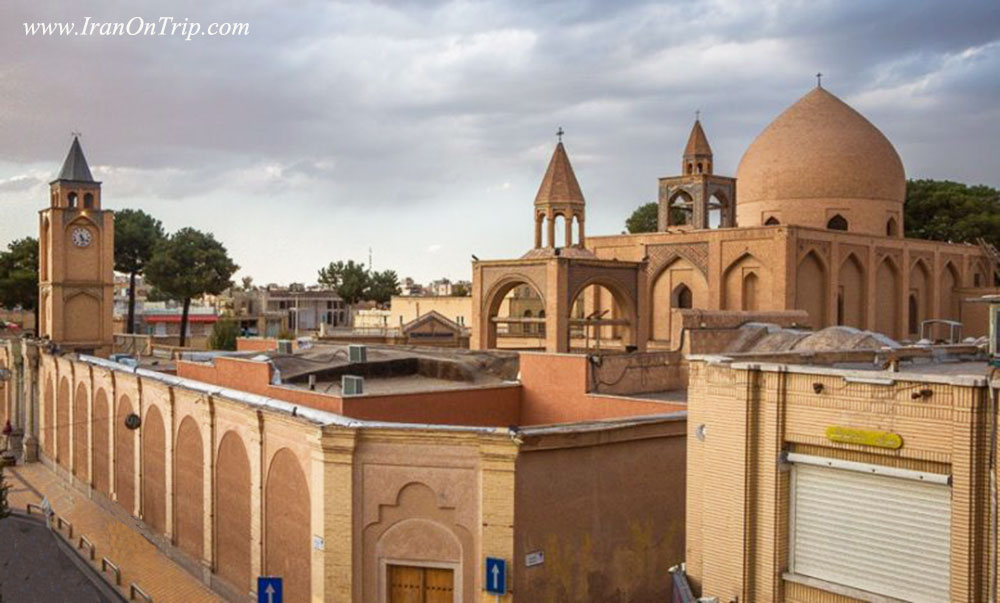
point(421, 129)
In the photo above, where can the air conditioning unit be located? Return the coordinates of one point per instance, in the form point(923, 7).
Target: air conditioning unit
point(352, 385)
point(357, 353)
point(284, 346)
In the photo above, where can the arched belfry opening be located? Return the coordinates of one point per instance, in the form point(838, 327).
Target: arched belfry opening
point(560, 209)
point(559, 295)
point(698, 198)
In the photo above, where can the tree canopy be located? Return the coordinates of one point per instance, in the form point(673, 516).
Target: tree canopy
point(348, 279)
point(136, 236)
point(19, 274)
point(382, 286)
point(187, 264)
point(353, 283)
point(951, 211)
point(643, 219)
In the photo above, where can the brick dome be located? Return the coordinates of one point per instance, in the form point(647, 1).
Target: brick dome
point(818, 159)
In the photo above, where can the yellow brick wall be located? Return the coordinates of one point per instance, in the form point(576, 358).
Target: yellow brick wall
point(738, 491)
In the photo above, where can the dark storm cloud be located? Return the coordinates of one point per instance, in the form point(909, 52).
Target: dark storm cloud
point(449, 107)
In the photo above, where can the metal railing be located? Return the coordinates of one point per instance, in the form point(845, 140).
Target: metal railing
point(134, 590)
point(85, 543)
point(60, 522)
point(106, 563)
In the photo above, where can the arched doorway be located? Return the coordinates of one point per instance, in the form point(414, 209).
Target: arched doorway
point(287, 521)
point(887, 292)
point(124, 457)
point(81, 447)
point(810, 289)
point(102, 446)
point(851, 298)
point(62, 424)
point(503, 319)
point(189, 489)
point(679, 285)
point(601, 315)
point(734, 285)
point(232, 492)
point(921, 290)
point(154, 455)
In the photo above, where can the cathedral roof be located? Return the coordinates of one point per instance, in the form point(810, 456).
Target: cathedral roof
point(697, 141)
point(75, 167)
point(559, 186)
point(820, 148)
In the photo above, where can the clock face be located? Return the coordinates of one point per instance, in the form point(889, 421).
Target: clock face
point(81, 236)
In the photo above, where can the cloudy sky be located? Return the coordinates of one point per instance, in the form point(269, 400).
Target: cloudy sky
point(421, 129)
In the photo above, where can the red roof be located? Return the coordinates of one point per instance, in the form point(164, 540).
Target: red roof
point(177, 318)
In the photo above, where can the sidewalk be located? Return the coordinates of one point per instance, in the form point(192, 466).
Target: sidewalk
point(139, 559)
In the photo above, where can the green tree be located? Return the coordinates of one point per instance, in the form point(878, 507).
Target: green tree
point(19, 276)
point(224, 334)
point(460, 290)
point(951, 211)
point(643, 219)
point(382, 286)
point(136, 236)
point(187, 264)
point(348, 279)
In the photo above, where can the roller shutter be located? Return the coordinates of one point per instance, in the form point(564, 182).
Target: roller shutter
point(877, 533)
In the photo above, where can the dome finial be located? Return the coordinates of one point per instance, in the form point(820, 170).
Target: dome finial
point(819, 80)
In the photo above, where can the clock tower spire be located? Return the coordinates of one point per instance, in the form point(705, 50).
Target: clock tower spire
point(76, 260)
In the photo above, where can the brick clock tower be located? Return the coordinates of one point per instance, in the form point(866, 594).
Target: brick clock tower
point(76, 261)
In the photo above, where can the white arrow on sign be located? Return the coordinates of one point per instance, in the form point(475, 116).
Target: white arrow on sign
point(270, 593)
point(496, 577)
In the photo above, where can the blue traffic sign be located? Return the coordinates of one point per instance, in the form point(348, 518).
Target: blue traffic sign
point(496, 576)
point(268, 589)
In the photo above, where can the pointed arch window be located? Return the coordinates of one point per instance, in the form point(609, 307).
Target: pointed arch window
point(88, 201)
point(682, 297)
point(71, 200)
point(892, 228)
point(837, 222)
point(914, 308)
point(772, 221)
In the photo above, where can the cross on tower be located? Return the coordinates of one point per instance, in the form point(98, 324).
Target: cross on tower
point(697, 115)
point(560, 133)
point(819, 80)
point(76, 134)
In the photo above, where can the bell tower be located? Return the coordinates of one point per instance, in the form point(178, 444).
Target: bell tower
point(76, 260)
point(691, 199)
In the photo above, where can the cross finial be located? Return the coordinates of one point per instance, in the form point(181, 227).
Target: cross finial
point(697, 115)
point(560, 133)
point(819, 80)
point(76, 134)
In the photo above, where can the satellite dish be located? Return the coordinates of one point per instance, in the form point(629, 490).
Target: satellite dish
point(132, 421)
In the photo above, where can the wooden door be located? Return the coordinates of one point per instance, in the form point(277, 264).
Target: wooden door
point(408, 584)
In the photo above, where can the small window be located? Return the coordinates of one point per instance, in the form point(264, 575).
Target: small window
point(914, 310)
point(71, 200)
point(88, 201)
point(891, 228)
point(682, 297)
point(772, 221)
point(837, 222)
point(699, 168)
point(690, 168)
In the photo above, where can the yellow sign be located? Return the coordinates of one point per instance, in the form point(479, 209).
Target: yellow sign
point(864, 437)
